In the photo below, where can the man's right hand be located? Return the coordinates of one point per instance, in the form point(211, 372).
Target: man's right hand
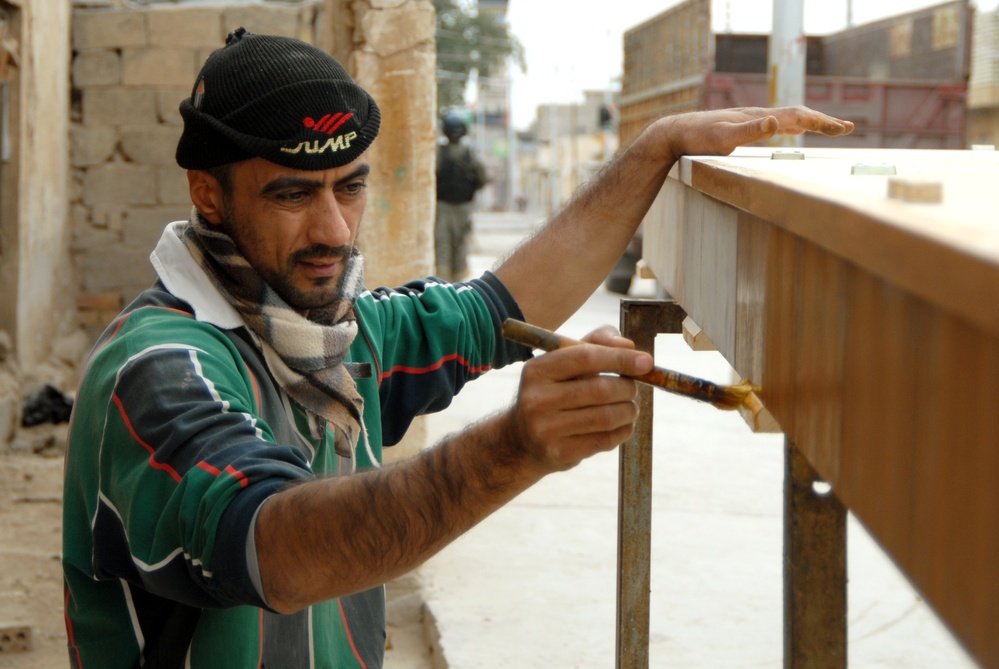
point(330, 537)
point(574, 403)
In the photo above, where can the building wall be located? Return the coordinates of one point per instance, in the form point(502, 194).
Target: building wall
point(131, 68)
point(10, 107)
point(95, 175)
point(395, 59)
point(551, 171)
point(42, 284)
point(983, 87)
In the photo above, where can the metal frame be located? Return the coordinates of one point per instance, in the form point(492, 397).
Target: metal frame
point(814, 568)
point(814, 532)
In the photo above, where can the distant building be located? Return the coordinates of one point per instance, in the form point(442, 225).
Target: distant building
point(490, 131)
point(565, 146)
point(983, 87)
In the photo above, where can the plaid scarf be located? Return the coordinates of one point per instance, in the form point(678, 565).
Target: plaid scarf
point(305, 355)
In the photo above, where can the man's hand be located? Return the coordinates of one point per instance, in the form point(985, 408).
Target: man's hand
point(554, 272)
point(720, 132)
point(572, 402)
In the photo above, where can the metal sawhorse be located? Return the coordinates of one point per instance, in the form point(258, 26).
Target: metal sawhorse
point(814, 532)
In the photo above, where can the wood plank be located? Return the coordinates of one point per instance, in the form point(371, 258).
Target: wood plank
point(751, 296)
point(820, 307)
point(777, 382)
point(876, 467)
point(709, 249)
point(955, 562)
point(852, 217)
point(663, 236)
point(691, 246)
point(871, 327)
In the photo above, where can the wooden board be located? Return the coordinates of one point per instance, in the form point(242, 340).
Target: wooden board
point(872, 327)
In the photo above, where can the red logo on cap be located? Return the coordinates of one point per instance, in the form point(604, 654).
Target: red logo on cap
point(329, 123)
point(199, 94)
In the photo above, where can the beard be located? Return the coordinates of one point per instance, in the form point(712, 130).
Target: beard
point(319, 292)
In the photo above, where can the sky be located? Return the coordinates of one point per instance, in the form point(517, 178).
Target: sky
point(575, 45)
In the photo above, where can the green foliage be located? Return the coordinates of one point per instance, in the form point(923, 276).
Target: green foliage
point(467, 39)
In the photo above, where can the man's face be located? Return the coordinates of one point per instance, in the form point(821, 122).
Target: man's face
point(296, 228)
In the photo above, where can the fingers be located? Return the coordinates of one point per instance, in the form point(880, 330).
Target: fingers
point(719, 132)
point(608, 353)
point(583, 407)
point(765, 123)
point(740, 132)
point(566, 422)
point(767, 126)
point(796, 120)
point(608, 335)
point(575, 401)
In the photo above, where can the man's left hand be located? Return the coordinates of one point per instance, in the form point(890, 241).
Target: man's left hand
point(719, 132)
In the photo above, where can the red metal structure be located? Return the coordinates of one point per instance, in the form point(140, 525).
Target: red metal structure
point(901, 80)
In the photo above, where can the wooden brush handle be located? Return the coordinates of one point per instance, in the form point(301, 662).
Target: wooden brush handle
point(723, 397)
point(535, 337)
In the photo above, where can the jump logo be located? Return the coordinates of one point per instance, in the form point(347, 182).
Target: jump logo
point(327, 125)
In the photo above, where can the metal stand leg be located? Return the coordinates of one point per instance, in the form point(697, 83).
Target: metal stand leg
point(641, 321)
point(814, 569)
point(814, 533)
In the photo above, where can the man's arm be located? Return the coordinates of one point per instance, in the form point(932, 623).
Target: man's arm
point(332, 537)
point(553, 272)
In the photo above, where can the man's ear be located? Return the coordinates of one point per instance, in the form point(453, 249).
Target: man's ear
point(207, 196)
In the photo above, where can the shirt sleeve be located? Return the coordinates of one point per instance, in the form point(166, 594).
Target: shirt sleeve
point(428, 338)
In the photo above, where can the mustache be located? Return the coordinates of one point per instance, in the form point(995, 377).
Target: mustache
point(322, 252)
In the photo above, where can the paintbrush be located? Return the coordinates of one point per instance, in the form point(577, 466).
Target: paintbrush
point(723, 397)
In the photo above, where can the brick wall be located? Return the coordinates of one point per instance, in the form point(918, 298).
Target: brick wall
point(394, 58)
point(131, 68)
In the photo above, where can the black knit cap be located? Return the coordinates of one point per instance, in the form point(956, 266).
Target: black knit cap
point(275, 98)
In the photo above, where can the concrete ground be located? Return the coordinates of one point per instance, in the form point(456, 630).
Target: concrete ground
point(533, 586)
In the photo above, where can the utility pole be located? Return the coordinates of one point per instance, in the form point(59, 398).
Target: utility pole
point(787, 61)
point(555, 172)
point(512, 173)
point(574, 147)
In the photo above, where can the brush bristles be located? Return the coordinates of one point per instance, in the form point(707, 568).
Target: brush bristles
point(732, 397)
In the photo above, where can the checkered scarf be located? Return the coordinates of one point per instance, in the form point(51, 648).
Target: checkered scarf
point(305, 355)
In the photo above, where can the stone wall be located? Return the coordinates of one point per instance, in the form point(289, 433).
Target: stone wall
point(131, 68)
point(394, 58)
point(133, 65)
point(40, 289)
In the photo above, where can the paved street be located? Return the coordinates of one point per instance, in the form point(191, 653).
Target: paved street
point(533, 586)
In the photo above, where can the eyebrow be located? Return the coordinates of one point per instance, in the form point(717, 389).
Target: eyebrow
point(292, 182)
point(361, 171)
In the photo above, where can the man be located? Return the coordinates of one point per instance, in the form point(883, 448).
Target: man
point(224, 506)
point(459, 175)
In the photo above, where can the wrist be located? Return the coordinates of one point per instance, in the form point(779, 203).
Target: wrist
point(512, 450)
point(665, 140)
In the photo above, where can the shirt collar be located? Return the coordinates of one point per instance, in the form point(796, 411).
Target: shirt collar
point(185, 279)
